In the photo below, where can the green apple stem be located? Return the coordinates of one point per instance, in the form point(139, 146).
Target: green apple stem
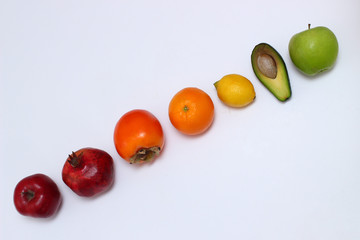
point(309, 26)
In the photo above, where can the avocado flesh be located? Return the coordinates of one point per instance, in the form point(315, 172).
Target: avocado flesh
point(270, 69)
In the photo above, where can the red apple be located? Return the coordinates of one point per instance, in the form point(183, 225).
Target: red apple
point(37, 196)
point(88, 172)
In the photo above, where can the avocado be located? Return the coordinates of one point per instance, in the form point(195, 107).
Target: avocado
point(270, 69)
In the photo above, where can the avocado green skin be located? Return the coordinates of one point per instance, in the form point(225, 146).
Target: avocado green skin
point(280, 86)
point(314, 50)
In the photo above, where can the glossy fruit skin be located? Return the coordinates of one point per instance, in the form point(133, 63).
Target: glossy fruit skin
point(88, 172)
point(235, 90)
point(37, 196)
point(136, 131)
point(314, 50)
point(191, 111)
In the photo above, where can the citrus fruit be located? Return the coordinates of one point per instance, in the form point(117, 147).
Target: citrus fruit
point(235, 90)
point(191, 111)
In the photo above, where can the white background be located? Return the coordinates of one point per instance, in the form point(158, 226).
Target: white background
point(70, 69)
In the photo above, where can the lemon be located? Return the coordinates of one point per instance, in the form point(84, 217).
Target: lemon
point(235, 90)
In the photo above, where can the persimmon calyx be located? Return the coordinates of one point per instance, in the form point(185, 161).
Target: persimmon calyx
point(145, 155)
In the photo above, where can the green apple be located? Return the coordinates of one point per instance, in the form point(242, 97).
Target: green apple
point(314, 50)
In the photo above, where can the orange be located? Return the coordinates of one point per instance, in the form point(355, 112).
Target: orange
point(191, 111)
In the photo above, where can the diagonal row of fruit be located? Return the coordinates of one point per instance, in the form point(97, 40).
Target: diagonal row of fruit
point(139, 137)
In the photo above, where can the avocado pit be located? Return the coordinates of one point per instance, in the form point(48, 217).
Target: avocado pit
point(267, 65)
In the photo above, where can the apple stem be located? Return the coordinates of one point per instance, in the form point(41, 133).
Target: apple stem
point(309, 26)
point(29, 194)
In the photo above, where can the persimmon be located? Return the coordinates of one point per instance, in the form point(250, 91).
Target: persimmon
point(138, 136)
point(191, 111)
